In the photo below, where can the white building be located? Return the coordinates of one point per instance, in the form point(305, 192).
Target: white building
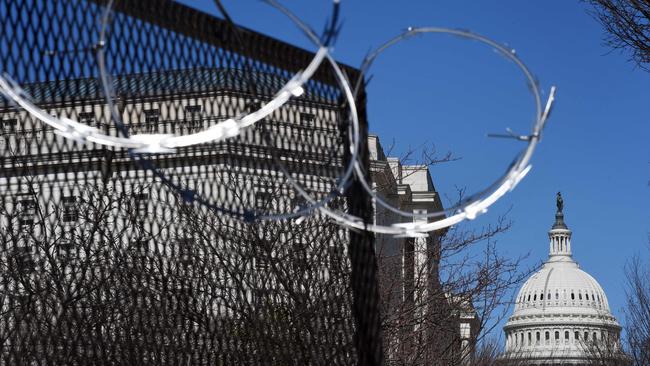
point(561, 314)
point(52, 191)
point(423, 324)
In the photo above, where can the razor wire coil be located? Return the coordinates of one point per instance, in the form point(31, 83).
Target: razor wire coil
point(156, 143)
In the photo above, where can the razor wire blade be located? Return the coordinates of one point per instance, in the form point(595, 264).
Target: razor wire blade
point(141, 144)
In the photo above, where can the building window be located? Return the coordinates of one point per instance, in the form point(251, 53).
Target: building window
point(529, 339)
point(140, 247)
point(151, 115)
point(576, 335)
point(151, 119)
point(27, 211)
point(264, 200)
point(141, 203)
point(261, 263)
point(140, 208)
point(307, 119)
point(65, 247)
point(193, 110)
point(566, 335)
point(547, 336)
point(8, 126)
point(185, 249)
point(595, 337)
point(334, 254)
point(586, 336)
point(537, 337)
point(252, 106)
point(70, 209)
point(557, 336)
point(573, 296)
point(23, 259)
point(87, 118)
point(193, 116)
point(263, 296)
point(27, 207)
point(298, 203)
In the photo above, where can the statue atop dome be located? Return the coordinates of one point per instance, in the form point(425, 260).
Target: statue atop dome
point(559, 215)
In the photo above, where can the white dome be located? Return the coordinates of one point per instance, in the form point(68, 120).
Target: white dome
point(559, 309)
point(561, 285)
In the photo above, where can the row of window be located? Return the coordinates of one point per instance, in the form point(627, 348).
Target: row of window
point(534, 296)
point(518, 339)
point(69, 209)
point(23, 258)
point(151, 118)
point(27, 209)
point(22, 254)
point(265, 200)
point(270, 200)
point(193, 112)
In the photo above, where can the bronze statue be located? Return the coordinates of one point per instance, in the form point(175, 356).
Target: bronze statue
point(559, 202)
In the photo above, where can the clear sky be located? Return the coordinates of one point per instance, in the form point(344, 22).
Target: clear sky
point(450, 92)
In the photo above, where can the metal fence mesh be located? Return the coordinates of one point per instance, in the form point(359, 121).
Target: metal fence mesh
point(113, 257)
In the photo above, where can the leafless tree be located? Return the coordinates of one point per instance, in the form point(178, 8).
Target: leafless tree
point(57, 271)
point(282, 285)
point(605, 352)
point(597, 353)
point(627, 26)
point(464, 279)
point(637, 311)
point(134, 277)
point(489, 353)
point(472, 288)
point(140, 275)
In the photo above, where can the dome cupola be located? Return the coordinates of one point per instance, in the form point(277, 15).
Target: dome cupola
point(560, 234)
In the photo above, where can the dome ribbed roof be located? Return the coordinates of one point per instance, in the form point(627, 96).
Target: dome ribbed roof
point(561, 284)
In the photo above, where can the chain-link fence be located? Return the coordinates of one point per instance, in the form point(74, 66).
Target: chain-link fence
point(110, 256)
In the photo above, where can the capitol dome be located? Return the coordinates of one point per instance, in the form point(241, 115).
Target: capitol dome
point(561, 315)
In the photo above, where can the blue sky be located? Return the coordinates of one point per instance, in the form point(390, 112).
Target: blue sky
point(450, 92)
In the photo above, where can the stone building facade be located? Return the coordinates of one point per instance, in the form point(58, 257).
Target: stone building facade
point(424, 324)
